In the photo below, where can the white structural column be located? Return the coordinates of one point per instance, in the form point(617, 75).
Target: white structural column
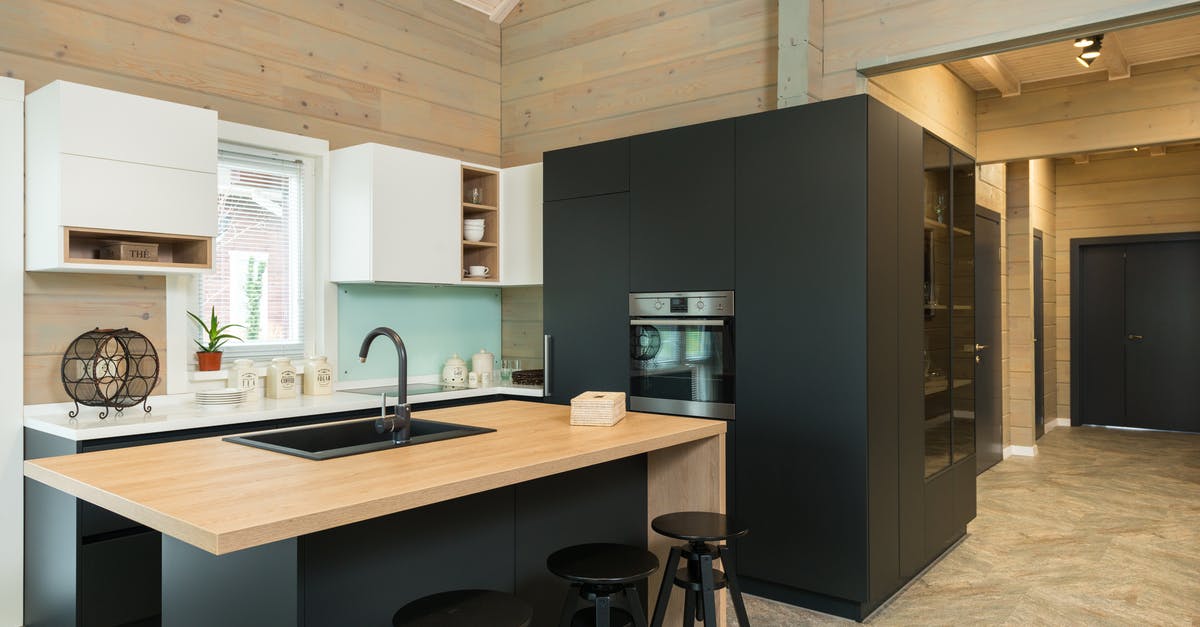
point(12, 296)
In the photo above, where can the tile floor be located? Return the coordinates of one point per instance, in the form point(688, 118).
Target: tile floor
point(1101, 528)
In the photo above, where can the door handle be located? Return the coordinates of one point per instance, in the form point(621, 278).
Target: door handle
point(1135, 337)
point(980, 347)
point(547, 353)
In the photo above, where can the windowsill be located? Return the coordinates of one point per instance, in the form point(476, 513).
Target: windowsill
point(220, 375)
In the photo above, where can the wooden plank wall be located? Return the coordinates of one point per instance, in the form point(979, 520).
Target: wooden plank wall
point(1124, 193)
point(1156, 105)
point(934, 98)
point(870, 33)
point(991, 192)
point(59, 307)
point(422, 74)
point(521, 325)
point(580, 71)
point(1043, 207)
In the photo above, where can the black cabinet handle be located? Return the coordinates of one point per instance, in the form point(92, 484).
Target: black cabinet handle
point(547, 341)
point(1135, 337)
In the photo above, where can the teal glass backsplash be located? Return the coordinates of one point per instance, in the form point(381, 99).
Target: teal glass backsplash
point(435, 321)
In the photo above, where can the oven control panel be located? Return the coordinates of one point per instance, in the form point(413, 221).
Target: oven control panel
point(701, 304)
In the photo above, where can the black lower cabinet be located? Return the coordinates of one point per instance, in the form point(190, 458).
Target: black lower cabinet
point(360, 574)
point(830, 448)
point(586, 295)
point(87, 566)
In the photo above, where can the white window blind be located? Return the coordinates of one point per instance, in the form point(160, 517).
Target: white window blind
point(257, 278)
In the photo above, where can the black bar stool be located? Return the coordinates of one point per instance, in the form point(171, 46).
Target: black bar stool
point(598, 573)
point(465, 608)
point(699, 578)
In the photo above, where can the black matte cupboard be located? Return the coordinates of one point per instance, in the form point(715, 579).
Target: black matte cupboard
point(831, 433)
point(681, 209)
point(585, 305)
point(820, 218)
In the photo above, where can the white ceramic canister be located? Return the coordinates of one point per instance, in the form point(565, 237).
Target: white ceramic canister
point(455, 371)
point(318, 376)
point(243, 375)
point(281, 378)
point(483, 361)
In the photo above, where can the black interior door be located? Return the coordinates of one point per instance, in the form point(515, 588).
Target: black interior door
point(1162, 327)
point(989, 436)
point(1039, 339)
point(1099, 370)
point(1137, 315)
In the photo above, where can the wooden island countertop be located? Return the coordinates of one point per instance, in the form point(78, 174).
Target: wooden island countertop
point(223, 497)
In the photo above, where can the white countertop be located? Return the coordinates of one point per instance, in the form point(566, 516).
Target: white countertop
point(179, 411)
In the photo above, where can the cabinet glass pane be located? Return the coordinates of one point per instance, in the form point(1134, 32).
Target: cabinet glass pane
point(937, 348)
point(962, 317)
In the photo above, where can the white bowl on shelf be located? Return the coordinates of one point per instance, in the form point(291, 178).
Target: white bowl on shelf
point(473, 235)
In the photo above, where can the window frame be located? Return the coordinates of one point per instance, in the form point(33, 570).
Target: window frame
point(263, 352)
point(320, 318)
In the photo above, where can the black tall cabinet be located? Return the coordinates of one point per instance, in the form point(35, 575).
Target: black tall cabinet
point(842, 228)
point(585, 306)
point(832, 437)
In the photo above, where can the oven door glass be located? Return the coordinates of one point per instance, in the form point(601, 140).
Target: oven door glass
point(685, 359)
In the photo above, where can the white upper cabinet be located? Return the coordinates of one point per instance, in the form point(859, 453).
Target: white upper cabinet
point(521, 225)
point(103, 165)
point(395, 216)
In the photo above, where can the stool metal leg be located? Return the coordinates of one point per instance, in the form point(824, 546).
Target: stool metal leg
point(570, 605)
point(735, 589)
point(635, 606)
point(603, 611)
point(664, 590)
point(706, 585)
point(689, 609)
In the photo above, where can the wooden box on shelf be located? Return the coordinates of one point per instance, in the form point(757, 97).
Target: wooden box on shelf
point(480, 201)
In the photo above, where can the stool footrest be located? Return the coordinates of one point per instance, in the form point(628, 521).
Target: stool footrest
point(684, 579)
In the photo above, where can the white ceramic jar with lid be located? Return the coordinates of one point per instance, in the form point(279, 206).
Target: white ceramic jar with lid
point(318, 376)
point(482, 361)
point(454, 372)
point(281, 378)
point(243, 375)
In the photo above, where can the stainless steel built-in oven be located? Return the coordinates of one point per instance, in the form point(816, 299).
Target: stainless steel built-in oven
point(681, 353)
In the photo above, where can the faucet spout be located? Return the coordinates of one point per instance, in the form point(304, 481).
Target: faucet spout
point(400, 424)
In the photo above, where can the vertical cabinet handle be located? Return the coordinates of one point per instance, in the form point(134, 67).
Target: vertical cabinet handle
point(547, 342)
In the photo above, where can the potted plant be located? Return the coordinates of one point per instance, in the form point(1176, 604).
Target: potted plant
point(209, 355)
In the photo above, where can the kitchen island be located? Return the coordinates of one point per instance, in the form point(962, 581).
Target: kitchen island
point(257, 537)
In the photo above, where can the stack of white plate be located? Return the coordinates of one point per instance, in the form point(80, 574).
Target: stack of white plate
point(217, 398)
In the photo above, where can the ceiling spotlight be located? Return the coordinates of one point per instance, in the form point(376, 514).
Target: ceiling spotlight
point(1084, 42)
point(1084, 62)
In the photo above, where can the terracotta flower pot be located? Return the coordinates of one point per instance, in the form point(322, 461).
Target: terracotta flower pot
point(208, 361)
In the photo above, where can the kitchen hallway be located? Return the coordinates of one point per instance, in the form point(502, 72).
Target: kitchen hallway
point(1098, 529)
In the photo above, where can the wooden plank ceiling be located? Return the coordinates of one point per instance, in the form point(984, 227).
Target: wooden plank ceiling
point(1007, 71)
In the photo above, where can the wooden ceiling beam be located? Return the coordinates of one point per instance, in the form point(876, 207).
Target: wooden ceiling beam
point(1114, 57)
point(503, 8)
point(996, 72)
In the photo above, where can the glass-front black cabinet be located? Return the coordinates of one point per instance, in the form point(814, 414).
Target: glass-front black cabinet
point(949, 297)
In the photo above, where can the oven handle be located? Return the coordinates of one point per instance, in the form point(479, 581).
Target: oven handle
point(547, 346)
point(683, 322)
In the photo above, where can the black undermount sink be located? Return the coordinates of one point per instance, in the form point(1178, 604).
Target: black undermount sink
point(350, 438)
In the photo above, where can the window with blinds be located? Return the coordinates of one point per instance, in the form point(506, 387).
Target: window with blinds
point(257, 278)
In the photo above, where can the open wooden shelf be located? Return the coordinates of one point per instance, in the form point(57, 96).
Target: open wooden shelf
point(182, 252)
point(481, 200)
